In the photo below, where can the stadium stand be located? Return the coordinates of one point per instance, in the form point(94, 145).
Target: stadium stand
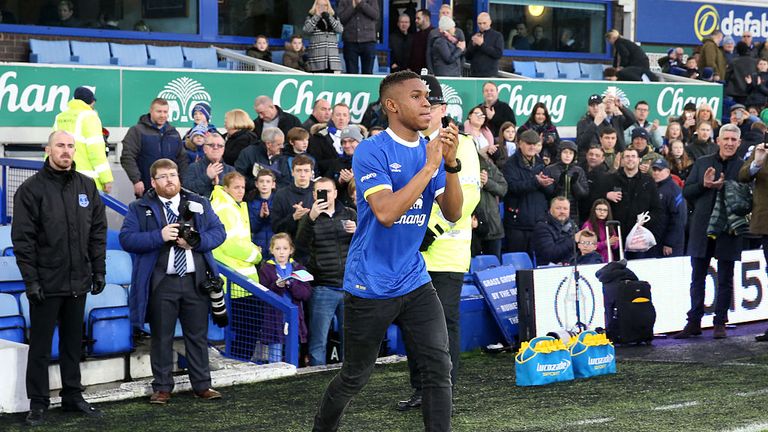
point(569, 70)
point(168, 56)
point(12, 323)
point(203, 58)
point(45, 51)
point(525, 68)
point(520, 260)
point(91, 53)
point(10, 276)
point(482, 262)
point(130, 55)
point(107, 322)
point(592, 71)
point(546, 70)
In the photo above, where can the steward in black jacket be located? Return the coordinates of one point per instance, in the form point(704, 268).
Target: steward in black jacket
point(59, 231)
point(328, 244)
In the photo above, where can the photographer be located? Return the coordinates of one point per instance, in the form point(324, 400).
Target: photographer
point(171, 233)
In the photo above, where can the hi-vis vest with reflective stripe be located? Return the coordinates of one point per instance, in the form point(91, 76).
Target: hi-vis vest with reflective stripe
point(90, 151)
point(237, 251)
point(451, 251)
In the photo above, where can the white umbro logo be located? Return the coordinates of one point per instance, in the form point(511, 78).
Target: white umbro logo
point(395, 167)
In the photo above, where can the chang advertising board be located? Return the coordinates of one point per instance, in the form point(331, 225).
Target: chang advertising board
point(689, 22)
point(555, 295)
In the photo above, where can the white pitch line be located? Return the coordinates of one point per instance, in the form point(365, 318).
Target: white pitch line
point(752, 393)
point(755, 427)
point(676, 406)
point(594, 421)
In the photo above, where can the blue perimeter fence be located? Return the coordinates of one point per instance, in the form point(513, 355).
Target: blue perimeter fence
point(263, 327)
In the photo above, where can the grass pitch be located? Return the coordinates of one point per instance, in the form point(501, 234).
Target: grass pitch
point(656, 389)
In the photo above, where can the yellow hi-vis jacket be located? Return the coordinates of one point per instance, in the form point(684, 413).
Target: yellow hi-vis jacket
point(451, 250)
point(90, 151)
point(238, 251)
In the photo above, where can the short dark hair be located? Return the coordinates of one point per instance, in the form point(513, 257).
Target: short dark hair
point(296, 134)
point(266, 172)
point(296, 36)
point(630, 148)
point(325, 180)
point(596, 147)
point(425, 12)
point(303, 160)
point(162, 163)
point(158, 101)
point(642, 102)
point(394, 79)
point(607, 130)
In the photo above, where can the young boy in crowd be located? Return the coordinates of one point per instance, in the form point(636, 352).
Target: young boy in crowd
point(298, 140)
point(260, 49)
point(194, 143)
point(294, 56)
point(587, 244)
point(259, 209)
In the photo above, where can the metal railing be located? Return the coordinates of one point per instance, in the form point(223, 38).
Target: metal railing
point(274, 311)
point(242, 62)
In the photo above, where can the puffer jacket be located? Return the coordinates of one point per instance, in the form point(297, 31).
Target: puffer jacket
point(59, 231)
point(237, 251)
point(145, 143)
point(328, 244)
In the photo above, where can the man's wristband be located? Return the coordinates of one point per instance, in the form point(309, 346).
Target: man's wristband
point(453, 169)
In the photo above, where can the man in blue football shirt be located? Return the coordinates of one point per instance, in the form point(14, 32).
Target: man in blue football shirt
point(398, 175)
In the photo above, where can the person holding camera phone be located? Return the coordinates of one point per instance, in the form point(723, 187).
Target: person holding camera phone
point(172, 233)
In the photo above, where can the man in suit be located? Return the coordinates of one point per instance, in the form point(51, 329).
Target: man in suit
point(169, 267)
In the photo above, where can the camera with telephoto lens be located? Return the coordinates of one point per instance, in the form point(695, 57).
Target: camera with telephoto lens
point(187, 230)
point(214, 288)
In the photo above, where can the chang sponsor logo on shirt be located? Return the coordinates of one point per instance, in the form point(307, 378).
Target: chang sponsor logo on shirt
point(419, 218)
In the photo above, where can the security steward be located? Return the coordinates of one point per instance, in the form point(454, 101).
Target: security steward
point(447, 247)
point(172, 232)
point(59, 234)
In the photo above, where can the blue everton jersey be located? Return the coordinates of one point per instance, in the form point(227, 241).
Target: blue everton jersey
point(385, 262)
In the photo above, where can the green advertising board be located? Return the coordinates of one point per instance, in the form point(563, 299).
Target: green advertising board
point(33, 95)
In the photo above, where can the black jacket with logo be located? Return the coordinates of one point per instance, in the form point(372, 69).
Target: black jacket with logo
point(59, 231)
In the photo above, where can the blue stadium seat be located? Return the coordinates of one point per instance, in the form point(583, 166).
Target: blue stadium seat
point(130, 55)
point(592, 71)
point(546, 70)
point(469, 290)
point(482, 262)
point(524, 68)
point(5, 239)
point(91, 53)
point(24, 306)
point(54, 51)
point(168, 56)
point(107, 322)
point(10, 276)
point(119, 267)
point(203, 58)
point(570, 70)
point(12, 323)
point(277, 56)
point(520, 260)
point(395, 343)
point(113, 240)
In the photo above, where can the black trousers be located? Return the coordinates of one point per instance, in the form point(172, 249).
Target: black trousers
point(723, 293)
point(448, 288)
point(68, 313)
point(517, 240)
point(178, 298)
point(421, 319)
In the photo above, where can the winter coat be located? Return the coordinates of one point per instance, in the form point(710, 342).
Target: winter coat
point(699, 148)
point(239, 141)
point(587, 133)
point(590, 258)
point(261, 227)
point(502, 113)
point(140, 236)
point(321, 147)
point(552, 241)
point(295, 290)
point(238, 251)
point(445, 56)
point(702, 199)
point(545, 130)
point(252, 51)
point(759, 222)
point(674, 216)
point(251, 160)
point(735, 84)
point(196, 179)
point(628, 54)
point(570, 182)
point(484, 59)
point(648, 156)
point(59, 231)
point(90, 157)
point(488, 208)
point(639, 194)
point(525, 202)
point(294, 59)
point(285, 122)
point(711, 56)
point(758, 94)
point(400, 50)
point(328, 244)
point(655, 138)
point(282, 207)
point(145, 143)
point(359, 22)
point(323, 48)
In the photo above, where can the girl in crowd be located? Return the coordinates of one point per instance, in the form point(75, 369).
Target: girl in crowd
point(506, 142)
point(238, 253)
point(601, 212)
point(260, 49)
point(674, 132)
point(274, 274)
point(477, 126)
point(194, 143)
point(541, 122)
point(680, 162)
point(323, 28)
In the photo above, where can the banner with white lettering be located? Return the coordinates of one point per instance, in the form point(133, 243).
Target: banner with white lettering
point(497, 284)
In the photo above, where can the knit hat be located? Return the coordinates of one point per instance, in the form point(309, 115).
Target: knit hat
point(728, 40)
point(351, 132)
point(198, 130)
point(640, 132)
point(204, 109)
point(568, 145)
